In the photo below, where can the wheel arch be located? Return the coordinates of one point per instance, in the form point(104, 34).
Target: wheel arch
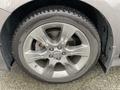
point(94, 14)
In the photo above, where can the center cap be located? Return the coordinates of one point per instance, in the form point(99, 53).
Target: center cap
point(57, 54)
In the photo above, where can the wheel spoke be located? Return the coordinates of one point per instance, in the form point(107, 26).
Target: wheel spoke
point(70, 67)
point(27, 44)
point(32, 56)
point(67, 33)
point(82, 50)
point(49, 69)
point(40, 35)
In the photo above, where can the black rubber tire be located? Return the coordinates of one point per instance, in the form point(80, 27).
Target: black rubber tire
point(54, 13)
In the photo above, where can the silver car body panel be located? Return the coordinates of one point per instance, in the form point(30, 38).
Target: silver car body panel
point(109, 8)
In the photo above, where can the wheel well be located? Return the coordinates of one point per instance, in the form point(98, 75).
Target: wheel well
point(93, 14)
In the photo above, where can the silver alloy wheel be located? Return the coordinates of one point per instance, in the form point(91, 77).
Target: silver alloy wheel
point(52, 50)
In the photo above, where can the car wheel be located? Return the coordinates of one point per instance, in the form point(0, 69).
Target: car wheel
point(56, 44)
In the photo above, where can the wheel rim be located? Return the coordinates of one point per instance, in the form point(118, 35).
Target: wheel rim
point(56, 51)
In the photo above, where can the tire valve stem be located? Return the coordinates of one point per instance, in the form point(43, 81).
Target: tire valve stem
point(35, 66)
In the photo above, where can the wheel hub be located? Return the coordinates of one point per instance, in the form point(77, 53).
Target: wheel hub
point(57, 55)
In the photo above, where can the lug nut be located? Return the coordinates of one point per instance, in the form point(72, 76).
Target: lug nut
point(51, 49)
point(59, 47)
point(63, 53)
point(50, 56)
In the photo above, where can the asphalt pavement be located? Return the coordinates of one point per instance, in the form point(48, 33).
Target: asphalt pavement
point(95, 79)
